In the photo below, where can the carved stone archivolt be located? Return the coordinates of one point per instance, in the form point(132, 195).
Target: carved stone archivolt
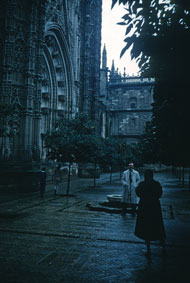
point(56, 84)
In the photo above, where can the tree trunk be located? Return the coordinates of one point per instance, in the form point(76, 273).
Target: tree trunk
point(179, 176)
point(68, 179)
point(120, 174)
point(94, 174)
point(110, 173)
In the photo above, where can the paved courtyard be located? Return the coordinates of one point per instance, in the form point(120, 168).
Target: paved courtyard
point(59, 239)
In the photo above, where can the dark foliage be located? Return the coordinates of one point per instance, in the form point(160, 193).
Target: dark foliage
point(160, 43)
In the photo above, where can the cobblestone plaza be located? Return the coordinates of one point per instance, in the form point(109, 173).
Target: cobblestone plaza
point(58, 239)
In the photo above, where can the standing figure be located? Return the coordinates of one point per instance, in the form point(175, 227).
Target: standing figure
point(43, 176)
point(130, 181)
point(57, 177)
point(149, 223)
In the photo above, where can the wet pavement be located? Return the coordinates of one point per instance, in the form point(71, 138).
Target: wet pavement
point(59, 239)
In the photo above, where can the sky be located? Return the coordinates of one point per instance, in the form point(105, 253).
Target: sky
point(113, 36)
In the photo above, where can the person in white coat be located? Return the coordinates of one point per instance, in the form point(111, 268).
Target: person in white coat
point(130, 181)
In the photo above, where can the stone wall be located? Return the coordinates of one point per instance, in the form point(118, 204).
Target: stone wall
point(130, 102)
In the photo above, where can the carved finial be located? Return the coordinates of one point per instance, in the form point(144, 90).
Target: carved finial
point(104, 57)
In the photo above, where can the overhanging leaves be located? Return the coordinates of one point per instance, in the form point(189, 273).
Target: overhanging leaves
point(161, 46)
point(130, 41)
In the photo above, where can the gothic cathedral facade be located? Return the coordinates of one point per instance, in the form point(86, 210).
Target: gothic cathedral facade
point(49, 68)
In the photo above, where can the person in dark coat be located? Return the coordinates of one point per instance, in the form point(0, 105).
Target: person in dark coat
point(43, 176)
point(149, 223)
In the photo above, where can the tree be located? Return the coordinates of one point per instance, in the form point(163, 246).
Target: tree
point(156, 31)
point(71, 141)
point(110, 154)
point(137, 154)
point(129, 153)
point(149, 145)
point(97, 153)
point(89, 145)
point(159, 32)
